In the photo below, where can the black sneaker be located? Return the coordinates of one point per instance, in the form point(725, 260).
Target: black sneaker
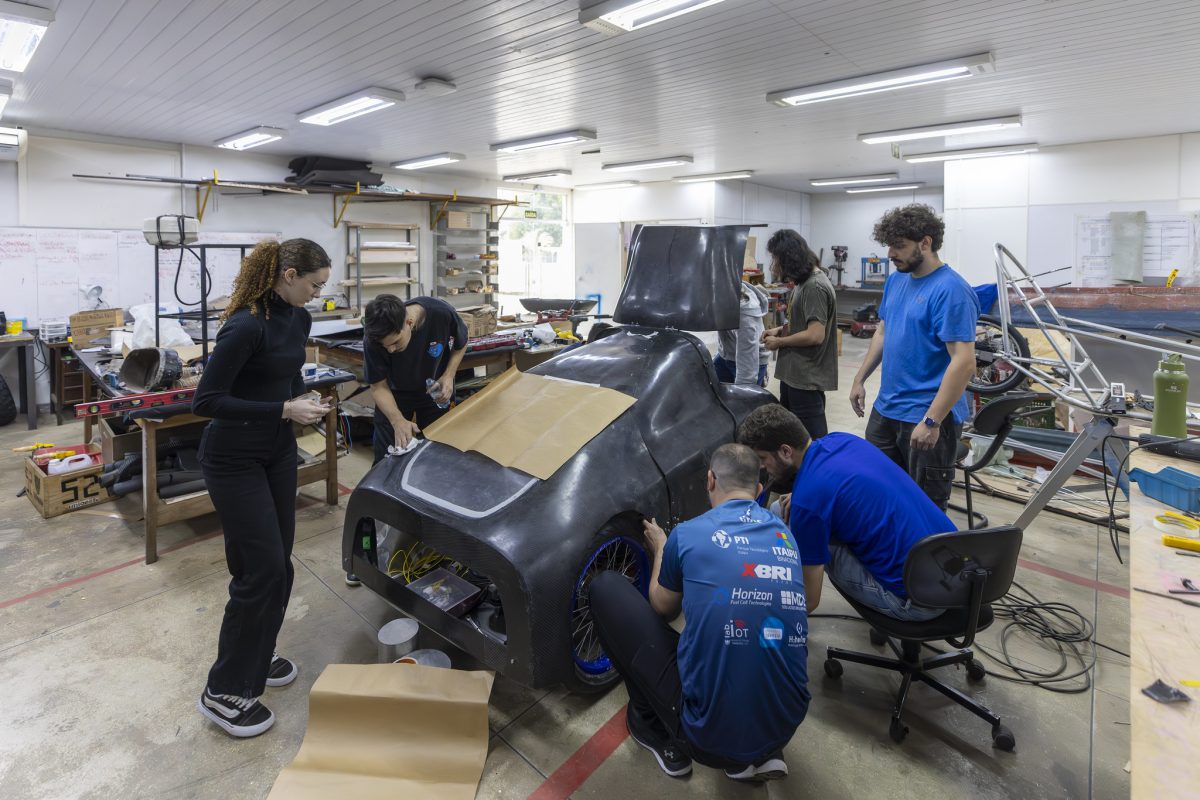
point(282, 671)
point(771, 768)
point(352, 579)
point(239, 716)
point(669, 758)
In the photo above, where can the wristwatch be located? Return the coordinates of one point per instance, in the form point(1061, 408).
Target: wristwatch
point(930, 422)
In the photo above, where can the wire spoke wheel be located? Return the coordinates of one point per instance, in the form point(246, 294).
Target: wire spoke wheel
point(625, 557)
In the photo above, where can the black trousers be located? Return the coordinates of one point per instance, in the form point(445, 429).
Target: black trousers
point(643, 649)
point(409, 403)
point(933, 470)
point(808, 405)
point(250, 471)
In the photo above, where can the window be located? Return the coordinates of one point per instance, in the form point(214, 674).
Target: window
point(536, 250)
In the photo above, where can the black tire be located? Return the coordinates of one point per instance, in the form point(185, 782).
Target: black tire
point(994, 374)
point(8, 407)
point(897, 730)
point(833, 668)
point(1003, 739)
point(589, 675)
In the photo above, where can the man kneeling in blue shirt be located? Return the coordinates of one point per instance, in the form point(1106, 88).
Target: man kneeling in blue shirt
point(730, 690)
point(852, 508)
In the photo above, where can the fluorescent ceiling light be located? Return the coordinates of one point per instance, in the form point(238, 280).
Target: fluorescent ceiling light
point(21, 30)
point(974, 152)
point(653, 163)
point(532, 177)
point(882, 177)
point(716, 176)
point(617, 16)
point(351, 106)
point(6, 90)
point(597, 187)
point(548, 140)
point(429, 161)
point(255, 137)
point(886, 81)
point(434, 87)
point(896, 188)
point(945, 129)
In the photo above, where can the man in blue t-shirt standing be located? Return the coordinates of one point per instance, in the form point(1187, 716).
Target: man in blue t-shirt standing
point(730, 690)
point(928, 351)
point(853, 511)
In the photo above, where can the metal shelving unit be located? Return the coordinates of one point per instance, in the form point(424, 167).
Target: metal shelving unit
point(466, 266)
point(383, 257)
point(203, 315)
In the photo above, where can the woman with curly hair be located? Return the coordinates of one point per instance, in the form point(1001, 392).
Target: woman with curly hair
point(806, 365)
point(251, 389)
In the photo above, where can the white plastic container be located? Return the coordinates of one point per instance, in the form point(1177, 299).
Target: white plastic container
point(57, 466)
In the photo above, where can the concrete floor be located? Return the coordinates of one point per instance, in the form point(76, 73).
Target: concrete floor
point(102, 657)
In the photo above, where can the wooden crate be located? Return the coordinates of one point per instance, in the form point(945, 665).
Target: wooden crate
point(54, 495)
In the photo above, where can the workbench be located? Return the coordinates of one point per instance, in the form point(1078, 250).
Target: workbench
point(1164, 643)
point(26, 397)
point(157, 511)
point(342, 349)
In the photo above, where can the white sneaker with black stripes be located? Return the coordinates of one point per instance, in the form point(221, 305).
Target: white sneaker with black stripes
point(281, 672)
point(238, 716)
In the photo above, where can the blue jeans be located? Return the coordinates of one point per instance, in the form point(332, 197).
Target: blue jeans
point(727, 371)
point(851, 577)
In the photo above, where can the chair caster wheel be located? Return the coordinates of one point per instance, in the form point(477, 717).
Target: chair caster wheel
point(975, 671)
point(877, 638)
point(1002, 739)
point(898, 730)
point(833, 668)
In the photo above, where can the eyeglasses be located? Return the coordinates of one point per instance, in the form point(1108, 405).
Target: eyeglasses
point(317, 286)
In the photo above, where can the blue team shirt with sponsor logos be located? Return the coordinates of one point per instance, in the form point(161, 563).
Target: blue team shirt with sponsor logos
point(743, 652)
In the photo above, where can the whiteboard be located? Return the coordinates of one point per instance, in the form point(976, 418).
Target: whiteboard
point(51, 273)
point(1168, 243)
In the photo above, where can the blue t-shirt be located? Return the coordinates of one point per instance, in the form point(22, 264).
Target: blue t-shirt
point(920, 316)
point(848, 490)
point(743, 652)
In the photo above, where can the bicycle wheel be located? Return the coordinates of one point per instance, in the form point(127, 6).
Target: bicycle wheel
point(994, 369)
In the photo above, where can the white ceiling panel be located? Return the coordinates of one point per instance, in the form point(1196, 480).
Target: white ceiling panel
point(192, 72)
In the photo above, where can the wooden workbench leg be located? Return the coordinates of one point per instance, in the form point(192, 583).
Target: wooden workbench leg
point(331, 460)
point(150, 489)
point(87, 396)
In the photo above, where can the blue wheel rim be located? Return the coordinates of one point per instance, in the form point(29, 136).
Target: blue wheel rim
point(619, 554)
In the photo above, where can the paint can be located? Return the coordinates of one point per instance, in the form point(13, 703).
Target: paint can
point(428, 658)
point(397, 638)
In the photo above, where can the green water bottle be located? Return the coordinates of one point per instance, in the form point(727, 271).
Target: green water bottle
point(1170, 397)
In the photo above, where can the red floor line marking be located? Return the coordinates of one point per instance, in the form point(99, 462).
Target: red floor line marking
point(100, 573)
point(1073, 578)
point(343, 490)
point(584, 761)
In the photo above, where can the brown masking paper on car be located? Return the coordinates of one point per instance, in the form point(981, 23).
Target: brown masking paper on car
point(387, 731)
point(530, 422)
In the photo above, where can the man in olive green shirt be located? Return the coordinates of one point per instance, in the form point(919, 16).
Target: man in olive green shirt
point(806, 364)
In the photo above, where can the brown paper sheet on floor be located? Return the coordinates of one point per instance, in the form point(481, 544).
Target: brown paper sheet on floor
point(387, 731)
point(530, 422)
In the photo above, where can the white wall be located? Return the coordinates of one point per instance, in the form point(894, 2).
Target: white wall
point(847, 219)
point(1030, 203)
point(742, 202)
point(653, 202)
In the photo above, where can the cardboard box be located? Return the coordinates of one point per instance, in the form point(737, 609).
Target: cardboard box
point(54, 495)
point(116, 446)
point(458, 219)
point(480, 320)
point(86, 326)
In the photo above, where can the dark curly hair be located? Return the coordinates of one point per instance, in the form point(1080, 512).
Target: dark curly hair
point(796, 259)
point(912, 222)
point(769, 428)
point(265, 263)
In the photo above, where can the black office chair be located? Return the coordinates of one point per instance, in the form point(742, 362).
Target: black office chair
point(961, 572)
point(995, 419)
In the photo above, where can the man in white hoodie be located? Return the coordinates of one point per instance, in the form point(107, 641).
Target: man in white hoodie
point(741, 358)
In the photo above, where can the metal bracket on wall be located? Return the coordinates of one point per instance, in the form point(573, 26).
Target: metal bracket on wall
point(442, 211)
point(201, 204)
point(345, 198)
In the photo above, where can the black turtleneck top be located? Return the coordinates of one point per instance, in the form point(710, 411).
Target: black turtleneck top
point(255, 364)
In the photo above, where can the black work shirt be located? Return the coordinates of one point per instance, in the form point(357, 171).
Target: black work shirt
point(255, 363)
point(427, 353)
